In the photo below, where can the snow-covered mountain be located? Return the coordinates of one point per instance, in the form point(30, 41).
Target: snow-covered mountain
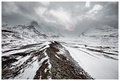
point(46, 29)
point(22, 32)
point(101, 34)
point(32, 30)
point(102, 30)
point(19, 35)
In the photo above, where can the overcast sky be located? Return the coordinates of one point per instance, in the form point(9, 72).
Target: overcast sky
point(68, 17)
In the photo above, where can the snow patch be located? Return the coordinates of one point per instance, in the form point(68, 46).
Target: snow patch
point(101, 68)
point(30, 71)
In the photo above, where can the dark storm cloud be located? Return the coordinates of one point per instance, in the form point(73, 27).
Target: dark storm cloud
point(18, 12)
point(66, 16)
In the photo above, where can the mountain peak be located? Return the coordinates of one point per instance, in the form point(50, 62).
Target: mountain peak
point(34, 23)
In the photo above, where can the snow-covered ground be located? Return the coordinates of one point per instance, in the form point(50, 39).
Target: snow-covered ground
point(98, 58)
point(99, 61)
point(97, 66)
point(96, 51)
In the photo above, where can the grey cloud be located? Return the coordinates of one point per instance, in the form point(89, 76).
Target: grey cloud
point(25, 10)
point(20, 12)
point(28, 7)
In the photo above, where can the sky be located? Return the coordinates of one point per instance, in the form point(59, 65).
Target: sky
point(69, 18)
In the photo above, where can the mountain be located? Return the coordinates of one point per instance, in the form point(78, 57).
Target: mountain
point(37, 27)
point(47, 29)
point(102, 34)
point(102, 30)
point(33, 30)
point(19, 35)
point(28, 31)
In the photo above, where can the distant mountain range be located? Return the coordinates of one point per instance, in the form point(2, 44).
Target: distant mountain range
point(102, 34)
point(102, 30)
point(31, 30)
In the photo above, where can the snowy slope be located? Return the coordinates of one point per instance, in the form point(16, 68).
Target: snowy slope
point(96, 51)
point(24, 31)
point(102, 35)
point(32, 32)
point(101, 30)
point(47, 29)
point(98, 59)
point(30, 52)
point(45, 60)
point(37, 27)
point(98, 67)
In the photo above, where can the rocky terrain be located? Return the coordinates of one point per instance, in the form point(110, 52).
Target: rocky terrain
point(31, 53)
point(49, 61)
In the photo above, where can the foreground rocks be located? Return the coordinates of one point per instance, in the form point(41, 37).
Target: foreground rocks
point(50, 61)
